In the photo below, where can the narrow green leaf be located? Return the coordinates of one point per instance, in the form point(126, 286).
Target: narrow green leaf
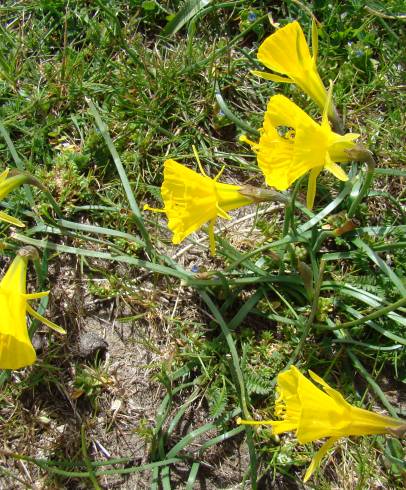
point(367, 346)
point(327, 210)
point(99, 230)
point(188, 10)
point(381, 264)
point(222, 437)
point(231, 116)
point(372, 383)
point(17, 160)
point(375, 326)
point(391, 171)
point(161, 269)
point(192, 476)
point(245, 309)
point(121, 171)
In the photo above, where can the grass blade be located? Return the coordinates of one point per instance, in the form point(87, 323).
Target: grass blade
point(160, 269)
point(381, 264)
point(372, 383)
point(192, 476)
point(123, 176)
point(232, 117)
point(189, 9)
point(17, 160)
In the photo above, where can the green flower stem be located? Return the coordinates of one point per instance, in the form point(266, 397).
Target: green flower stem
point(320, 239)
point(231, 116)
point(31, 180)
point(240, 381)
point(362, 154)
point(309, 323)
point(137, 216)
point(289, 222)
point(374, 385)
point(17, 160)
point(371, 316)
point(50, 466)
point(231, 345)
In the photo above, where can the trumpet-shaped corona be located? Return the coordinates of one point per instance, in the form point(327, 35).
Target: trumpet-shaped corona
point(292, 144)
point(7, 184)
point(286, 52)
point(16, 350)
point(191, 200)
point(315, 413)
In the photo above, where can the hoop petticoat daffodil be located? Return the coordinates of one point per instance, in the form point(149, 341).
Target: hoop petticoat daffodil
point(7, 184)
point(286, 52)
point(292, 144)
point(16, 350)
point(192, 199)
point(314, 414)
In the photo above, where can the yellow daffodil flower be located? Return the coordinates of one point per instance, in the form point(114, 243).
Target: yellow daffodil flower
point(313, 414)
point(193, 199)
point(286, 52)
point(16, 350)
point(6, 186)
point(292, 144)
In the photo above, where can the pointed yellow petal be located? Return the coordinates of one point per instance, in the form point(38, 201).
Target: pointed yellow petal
point(272, 77)
point(254, 422)
point(278, 426)
point(318, 457)
point(3, 175)
point(11, 220)
point(36, 295)
point(312, 186)
point(216, 178)
point(196, 154)
point(9, 184)
point(337, 171)
point(286, 50)
point(44, 320)
point(147, 207)
point(222, 213)
point(327, 106)
point(253, 144)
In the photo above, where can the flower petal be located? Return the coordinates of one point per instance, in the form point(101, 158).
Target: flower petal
point(3, 175)
point(192, 199)
point(336, 170)
point(283, 112)
point(272, 77)
point(318, 457)
point(285, 51)
point(16, 350)
point(11, 220)
point(312, 186)
point(44, 320)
